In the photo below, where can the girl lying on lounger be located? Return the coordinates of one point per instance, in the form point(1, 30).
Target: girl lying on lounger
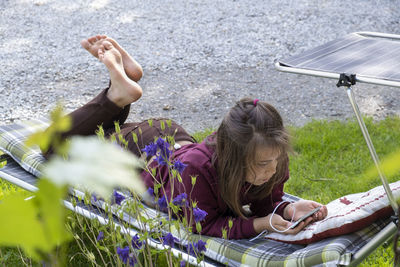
point(244, 162)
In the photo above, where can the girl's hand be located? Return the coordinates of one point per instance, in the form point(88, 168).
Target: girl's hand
point(302, 207)
point(280, 224)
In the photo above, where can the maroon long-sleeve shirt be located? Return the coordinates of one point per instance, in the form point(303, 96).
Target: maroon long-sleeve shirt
point(206, 193)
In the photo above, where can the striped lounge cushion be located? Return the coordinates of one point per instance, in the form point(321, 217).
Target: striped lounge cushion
point(332, 251)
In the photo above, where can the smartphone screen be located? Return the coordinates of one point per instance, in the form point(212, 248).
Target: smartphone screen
point(305, 216)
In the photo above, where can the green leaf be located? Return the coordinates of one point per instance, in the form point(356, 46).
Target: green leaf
point(51, 135)
point(135, 138)
point(193, 180)
point(390, 165)
point(100, 132)
point(230, 223)
point(37, 224)
point(21, 226)
point(198, 227)
point(40, 138)
point(224, 233)
point(51, 211)
point(117, 127)
point(63, 123)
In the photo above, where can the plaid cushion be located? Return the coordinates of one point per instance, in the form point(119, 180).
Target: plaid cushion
point(259, 252)
point(12, 138)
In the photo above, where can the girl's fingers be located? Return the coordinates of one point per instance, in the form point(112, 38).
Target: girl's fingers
point(324, 212)
point(321, 214)
point(297, 229)
point(300, 226)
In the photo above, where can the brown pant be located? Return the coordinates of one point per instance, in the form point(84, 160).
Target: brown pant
point(101, 111)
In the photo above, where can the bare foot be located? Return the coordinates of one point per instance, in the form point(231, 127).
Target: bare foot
point(123, 90)
point(132, 68)
point(92, 44)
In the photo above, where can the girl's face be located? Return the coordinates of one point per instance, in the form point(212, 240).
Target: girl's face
point(264, 166)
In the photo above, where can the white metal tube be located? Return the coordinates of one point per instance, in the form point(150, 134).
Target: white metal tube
point(333, 75)
point(18, 182)
point(383, 236)
point(372, 151)
point(379, 34)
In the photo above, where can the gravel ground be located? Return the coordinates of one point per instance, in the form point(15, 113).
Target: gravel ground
point(199, 57)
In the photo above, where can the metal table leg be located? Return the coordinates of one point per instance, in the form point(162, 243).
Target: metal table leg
point(371, 148)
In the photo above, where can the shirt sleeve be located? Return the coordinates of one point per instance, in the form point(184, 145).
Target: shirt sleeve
point(205, 192)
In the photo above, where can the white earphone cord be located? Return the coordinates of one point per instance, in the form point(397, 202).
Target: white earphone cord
point(270, 218)
point(270, 221)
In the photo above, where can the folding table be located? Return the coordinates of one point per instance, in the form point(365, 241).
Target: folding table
point(367, 57)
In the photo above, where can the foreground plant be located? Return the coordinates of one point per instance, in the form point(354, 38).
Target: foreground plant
point(104, 176)
point(37, 224)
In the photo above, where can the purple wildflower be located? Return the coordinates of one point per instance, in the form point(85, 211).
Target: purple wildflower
point(180, 200)
point(182, 263)
point(136, 243)
point(132, 261)
point(191, 249)
point(162, 144)
point(150, 149)
point(150, 191)
point(179, 166)
point(118, 197)
point(201, 246)
point(199, 214)
point(95, 198)
point(123, 253)
point(162, 202)
point(161, 160)
point(165, 152)
point(100, 236)
point(197, 248)
point(169, 240)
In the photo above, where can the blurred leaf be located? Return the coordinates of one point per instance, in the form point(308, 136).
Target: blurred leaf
point(40, 138)
point(21, 227)
point(390, 166)
point(59, 124)
point(37, 224)
point(51, 212)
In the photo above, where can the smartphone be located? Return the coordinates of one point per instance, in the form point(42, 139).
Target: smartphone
point(305, 216)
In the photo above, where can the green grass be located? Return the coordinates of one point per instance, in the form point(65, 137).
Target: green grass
point(329, 161)
point(330, 158)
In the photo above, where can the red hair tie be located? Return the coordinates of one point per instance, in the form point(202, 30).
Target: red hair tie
point(255, 101)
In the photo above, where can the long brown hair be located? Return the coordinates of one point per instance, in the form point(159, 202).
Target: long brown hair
point(248, 125)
